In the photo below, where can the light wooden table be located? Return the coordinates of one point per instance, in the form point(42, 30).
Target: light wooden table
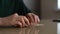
point(49, 27)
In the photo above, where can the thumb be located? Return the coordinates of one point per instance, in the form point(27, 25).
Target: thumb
point(15, 16)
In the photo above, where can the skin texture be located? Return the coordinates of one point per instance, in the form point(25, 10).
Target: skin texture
point(22, 21)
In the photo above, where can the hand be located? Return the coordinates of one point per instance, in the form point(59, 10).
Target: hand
point(33, 18)
point(23, 21)
point(10, 20)
point(15, 20)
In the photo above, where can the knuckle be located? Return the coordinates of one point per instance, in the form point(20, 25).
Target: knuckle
point(29, 13)
point(37, 16)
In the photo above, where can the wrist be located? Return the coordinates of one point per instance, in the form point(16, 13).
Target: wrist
point(1, 22)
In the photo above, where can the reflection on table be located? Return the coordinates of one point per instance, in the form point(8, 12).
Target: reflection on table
point(48, 28)
point(31, 30)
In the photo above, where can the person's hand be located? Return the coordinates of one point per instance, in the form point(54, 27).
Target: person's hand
point(33, 18)
point(23, 21)
point(15, 20)
point(9, 20)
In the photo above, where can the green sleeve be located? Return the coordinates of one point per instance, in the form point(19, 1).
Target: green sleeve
point(6, 7)
point(23, 10)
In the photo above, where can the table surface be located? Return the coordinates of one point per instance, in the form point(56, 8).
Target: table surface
point(49, 27)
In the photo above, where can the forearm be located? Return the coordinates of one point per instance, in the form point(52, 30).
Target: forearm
point(6, 21)
point(1, 22)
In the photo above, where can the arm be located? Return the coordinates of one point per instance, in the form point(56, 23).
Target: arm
point(1, 22)
point(6, 16)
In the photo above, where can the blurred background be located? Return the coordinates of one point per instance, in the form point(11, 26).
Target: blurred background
point(46, 9)
point(34, 5)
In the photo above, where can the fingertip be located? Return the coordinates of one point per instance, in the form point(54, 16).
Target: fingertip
point(38, 20)
point(20, 24)
point(29, 24)
point(27, 21)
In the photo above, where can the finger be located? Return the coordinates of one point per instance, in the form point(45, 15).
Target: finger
point(22, 21)
point(35, 18)
point(14, 16)
point(26, 21)
point(20, 24)
point(38, 20)
point(31, 18)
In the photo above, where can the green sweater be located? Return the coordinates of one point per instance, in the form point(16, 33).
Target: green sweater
point(9, 7)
